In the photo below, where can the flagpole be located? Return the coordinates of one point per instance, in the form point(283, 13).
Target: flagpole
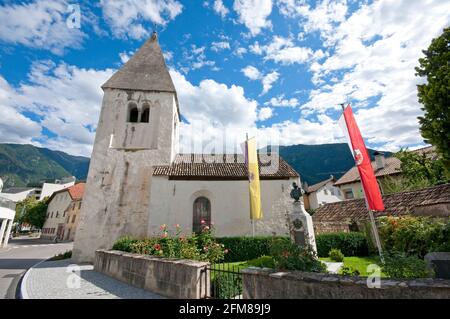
point(376, 235)
point(372, 220)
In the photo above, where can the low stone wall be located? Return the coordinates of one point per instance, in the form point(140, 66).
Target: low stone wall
point(173, 278)
point(263, 283)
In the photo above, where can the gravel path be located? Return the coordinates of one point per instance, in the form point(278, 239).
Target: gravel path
point(63, 280)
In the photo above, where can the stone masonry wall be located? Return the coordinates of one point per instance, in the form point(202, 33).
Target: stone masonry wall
point(259, 283)
point(181, 279)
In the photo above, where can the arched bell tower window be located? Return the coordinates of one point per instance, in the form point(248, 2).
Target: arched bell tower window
point(145, 114)
point(133, 113)
point(201, 214)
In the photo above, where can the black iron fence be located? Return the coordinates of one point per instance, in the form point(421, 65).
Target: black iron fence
point(222, 281)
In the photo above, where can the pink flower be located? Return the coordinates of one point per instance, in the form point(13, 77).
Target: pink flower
point(202, 221)
point(226, 251)
point(206, 228)
point(177, 226)
point(157, 246)
point(162, 227)
point(164, 235)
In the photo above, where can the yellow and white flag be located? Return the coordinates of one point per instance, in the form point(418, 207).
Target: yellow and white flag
point(251, 160)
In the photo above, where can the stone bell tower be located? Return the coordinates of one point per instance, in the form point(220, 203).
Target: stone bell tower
point(137, 130)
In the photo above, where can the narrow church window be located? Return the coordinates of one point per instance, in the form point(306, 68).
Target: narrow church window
point(201, 214)
point(145, 115)
point(133, 114)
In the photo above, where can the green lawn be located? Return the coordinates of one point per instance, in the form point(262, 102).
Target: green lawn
point(356, 263)
point(360, 264)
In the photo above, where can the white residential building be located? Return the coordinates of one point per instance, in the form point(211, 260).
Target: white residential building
point(322, 193)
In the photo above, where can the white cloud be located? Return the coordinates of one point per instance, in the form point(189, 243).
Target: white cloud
point(251, 72)
point(131, 18)
point(280, 101)
point(220, 9)
point(62, 98)
point(375, 52)
point(219, 46)
point(265, 113)
point(14, 126)
point(283, 50)
point(254, 14)
point(267, 80)
point(240, 51)
point(40, 24)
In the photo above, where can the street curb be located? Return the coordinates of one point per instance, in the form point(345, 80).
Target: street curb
point(23, 284)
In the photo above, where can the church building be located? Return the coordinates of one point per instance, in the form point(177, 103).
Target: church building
point(137, 181)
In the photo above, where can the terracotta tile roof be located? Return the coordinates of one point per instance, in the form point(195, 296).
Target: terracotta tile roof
point(223, 166)
point(396, 204)
point(316, 187)
point(76, 191)
point(391, 167)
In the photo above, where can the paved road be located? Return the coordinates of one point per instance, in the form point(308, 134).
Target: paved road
point(20, 255)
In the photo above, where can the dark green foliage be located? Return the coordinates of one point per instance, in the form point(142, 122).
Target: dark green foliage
point(336, 255)
point(66, 255)
point(349, 271)
point(32, 212)
point(124, 244)
point(435, 96)
point(226, 286)
point(21, 165)
point(246, 248)
point(289, 256)
point(401, 265)
point(418, 171)
point(262, 262)
point(414, 235)
point(350, 244)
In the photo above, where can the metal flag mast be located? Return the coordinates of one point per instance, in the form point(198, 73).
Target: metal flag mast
point(371, 215)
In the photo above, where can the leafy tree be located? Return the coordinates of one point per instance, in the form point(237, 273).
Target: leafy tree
point(419, 170)
point(435, 96)
point(32, 212)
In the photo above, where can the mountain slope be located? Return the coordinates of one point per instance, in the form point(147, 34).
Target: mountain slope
point(24, 164)
point(317, 162)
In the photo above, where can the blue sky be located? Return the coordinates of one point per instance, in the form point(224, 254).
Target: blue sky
point(274, 68)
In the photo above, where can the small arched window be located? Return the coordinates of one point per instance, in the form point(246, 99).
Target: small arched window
point(133, 114)
point(201, 214)
point(145, 115)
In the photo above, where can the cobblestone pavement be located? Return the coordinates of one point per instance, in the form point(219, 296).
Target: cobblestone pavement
point(64, 280)
point(20, 255)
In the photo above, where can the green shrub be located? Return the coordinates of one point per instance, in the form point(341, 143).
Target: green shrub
point(262, 262)
point(65, 255)
point(401, 265)
point(124, 244)
point(224, 286)
point(350, 244)
point(349, 271)
point(336, 255)
point(247, 248)
point(289, 256)
point(414, 235)
point(202, 246)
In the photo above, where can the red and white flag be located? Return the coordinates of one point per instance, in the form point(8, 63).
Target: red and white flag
point(372, 193)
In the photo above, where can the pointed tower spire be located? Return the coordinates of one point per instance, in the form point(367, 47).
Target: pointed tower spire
point(146, 71)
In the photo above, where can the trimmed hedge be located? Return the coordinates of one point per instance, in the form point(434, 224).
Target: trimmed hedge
point(350, 244)
point(247, 248)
